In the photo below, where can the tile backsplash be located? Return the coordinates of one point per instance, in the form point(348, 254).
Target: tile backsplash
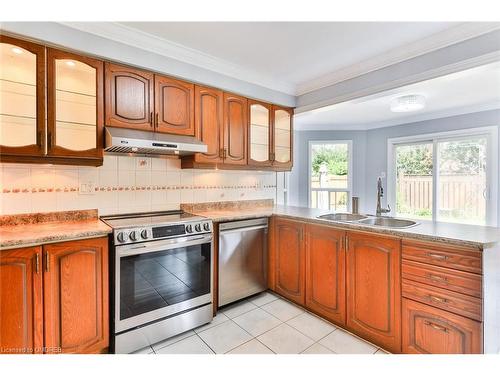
point(124, 184)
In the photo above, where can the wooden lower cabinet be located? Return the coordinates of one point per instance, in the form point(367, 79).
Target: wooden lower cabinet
point(69, 314)
point(374, 288)
point(428, 330)
point(287, 249)
point(76, 296)
point(21, 304)
point(325, 272)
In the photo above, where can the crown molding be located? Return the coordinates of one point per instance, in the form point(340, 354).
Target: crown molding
point(151, 43)
point(145, 41)
point(420, 47)
point(405, 120)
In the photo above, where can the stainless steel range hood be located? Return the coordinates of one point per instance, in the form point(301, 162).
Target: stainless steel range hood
point(119, 140)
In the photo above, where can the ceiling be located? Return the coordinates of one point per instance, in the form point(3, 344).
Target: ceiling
point(467, 91)
point(290, 57)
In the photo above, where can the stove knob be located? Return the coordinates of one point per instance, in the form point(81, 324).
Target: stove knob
point(197, 227)
point(133, 235)
point(144, 234)
point(189, 228)
point(206, 226)
point(121, 237)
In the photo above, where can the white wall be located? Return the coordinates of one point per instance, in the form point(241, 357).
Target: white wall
point(125, 184)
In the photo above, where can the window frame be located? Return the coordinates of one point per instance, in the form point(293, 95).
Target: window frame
point(490, 132)
point(349, 170)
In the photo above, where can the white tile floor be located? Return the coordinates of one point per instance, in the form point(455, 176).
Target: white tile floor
point(264, 324)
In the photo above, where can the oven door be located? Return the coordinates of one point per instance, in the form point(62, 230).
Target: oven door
point(157, 279)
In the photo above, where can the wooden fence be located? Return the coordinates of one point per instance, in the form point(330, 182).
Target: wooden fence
point(464, 193)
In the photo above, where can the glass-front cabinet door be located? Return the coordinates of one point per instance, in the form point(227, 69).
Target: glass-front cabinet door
point(259, 139)
point(282, 137)
point(22, 97)
point(75, 101)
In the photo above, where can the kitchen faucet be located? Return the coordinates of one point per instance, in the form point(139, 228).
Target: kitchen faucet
point(380, 194)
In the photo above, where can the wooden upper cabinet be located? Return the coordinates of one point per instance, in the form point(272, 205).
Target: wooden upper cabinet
point(282, 140)
point(21, 307)
point(289, 259)
point(22, 98)
point(174, 106)
point(75, 101)
point(325, 272)
point(374, 288)
point(76, 296)
point(235, 129)
point(209, 107)
point(427, 330)
point(129, 97)
point(259, 133)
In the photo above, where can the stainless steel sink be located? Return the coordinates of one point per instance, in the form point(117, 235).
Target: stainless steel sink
point(389, 222)
point(343, 217)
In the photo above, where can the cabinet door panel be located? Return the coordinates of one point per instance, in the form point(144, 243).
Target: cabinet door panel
point(76, 105)
point(208, 120)
point(174, 102)
point(129, 97)
point(21, 312)
point(325, 272)
point(427, 330)
point(76, 296)
point(374, 289)
point(22, 97)
point(289, 260)
point(259, 137)
point(235, 129)
point(282, 144)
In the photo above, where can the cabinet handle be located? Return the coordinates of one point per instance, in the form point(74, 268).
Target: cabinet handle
point(156, 120)
point(346, 243)
point(37, 263)
point(437, 299)
point(151, 119)
point(436, 326)
point(225, 154)
point(438, 278)
point(47, 259)
point(49, 141)
point(437, 256)
point(221, 153)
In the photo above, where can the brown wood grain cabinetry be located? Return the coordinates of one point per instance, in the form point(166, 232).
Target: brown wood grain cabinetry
point(235, 129)
point(282, 137)
point(174, 106)
point(76, 296)
point(21, 303)
point(374, 288)
point(77, 102)
point(288, 251)
point(23, 77)
point(69, 314)
point(129, 97)
point(325, 272)
point(428, 330)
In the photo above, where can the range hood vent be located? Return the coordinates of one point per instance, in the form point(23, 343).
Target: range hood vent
point(129, 141)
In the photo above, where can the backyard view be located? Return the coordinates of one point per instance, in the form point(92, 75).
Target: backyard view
point(460, 177)
point(329, 176)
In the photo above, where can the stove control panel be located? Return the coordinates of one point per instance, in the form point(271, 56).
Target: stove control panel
point(159, 231)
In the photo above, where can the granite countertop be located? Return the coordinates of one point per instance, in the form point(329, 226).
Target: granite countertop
point(449, 233)
point(38, 229)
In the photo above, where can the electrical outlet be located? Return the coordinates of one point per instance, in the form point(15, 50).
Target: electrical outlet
point(87, 188)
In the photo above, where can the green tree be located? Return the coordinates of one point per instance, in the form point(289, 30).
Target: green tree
point(333, 156)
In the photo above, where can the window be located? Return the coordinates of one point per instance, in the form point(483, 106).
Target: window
point(450, 177)
point(330, 167)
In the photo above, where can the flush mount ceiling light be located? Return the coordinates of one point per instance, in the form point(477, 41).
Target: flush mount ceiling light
point(408, 103)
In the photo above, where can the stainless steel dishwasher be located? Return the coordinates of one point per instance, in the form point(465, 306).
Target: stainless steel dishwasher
point(242, 259)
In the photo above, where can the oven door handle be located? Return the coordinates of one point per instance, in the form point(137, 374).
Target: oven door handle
point(151, 247)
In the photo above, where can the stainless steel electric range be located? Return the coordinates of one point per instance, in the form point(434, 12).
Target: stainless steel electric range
point(161, 276)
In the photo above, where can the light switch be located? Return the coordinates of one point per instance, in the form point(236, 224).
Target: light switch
point(87, 188)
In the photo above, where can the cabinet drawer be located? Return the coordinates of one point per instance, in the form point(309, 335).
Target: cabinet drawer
point(459, 258)
point(458, 281)
point(470, 307)
point(427, 330)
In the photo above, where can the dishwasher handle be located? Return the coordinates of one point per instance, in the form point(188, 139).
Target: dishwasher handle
point(243, 229)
